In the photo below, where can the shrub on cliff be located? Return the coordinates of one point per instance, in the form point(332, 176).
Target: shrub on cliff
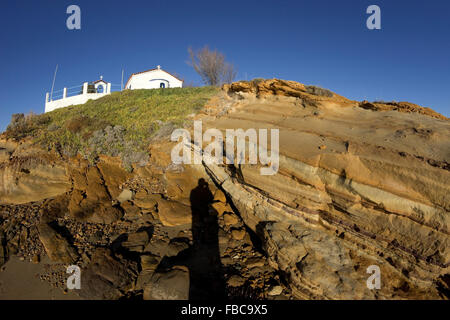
point(113, 141)
point(318, 91)
point(23, 126)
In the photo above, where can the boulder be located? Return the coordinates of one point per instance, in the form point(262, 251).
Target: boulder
point(106, 276)
point(171, 285)
point(163, 248)
point(230, 219)
point(125, 195)
point(146, 201)
point(172, 213)
point(56, 246)
point(149, 262)
point(238, 234)
point(136, 241)
point(275, 291)
point(132, 212)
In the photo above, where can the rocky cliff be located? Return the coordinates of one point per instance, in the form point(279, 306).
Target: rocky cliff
point(358, 184)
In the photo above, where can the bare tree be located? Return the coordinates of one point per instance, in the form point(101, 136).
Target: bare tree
point(211, 66)
point(229, 73)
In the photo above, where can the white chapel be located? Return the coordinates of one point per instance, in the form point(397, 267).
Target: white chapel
point(153, 79)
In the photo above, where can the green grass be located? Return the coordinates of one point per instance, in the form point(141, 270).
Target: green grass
point(141, 113)
point(137, 110)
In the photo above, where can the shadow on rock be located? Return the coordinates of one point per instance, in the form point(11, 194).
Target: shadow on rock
point(202, 259)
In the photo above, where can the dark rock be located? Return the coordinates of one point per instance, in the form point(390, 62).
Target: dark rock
point(3, 250)
point(171, 285)
point(106, 277)
point(137, 241)
point(235, 281)
point(57, 247)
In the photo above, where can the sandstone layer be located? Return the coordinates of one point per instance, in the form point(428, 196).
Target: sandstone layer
point(356, 187)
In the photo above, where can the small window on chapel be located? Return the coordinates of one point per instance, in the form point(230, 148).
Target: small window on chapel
point(162, 85)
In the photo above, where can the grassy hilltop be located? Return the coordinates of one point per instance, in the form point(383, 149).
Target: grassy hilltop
point(121, 124)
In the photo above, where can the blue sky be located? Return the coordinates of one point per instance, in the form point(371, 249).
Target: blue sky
point(319, 42)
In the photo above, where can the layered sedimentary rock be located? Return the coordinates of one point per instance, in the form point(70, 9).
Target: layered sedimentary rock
point(355, 187)
point(28, 173)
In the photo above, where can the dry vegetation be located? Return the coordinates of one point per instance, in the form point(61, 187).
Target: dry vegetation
point(121, 124)
point(211, 66)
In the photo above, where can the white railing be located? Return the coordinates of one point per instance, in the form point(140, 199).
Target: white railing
point(73, 91)
point(73, 95)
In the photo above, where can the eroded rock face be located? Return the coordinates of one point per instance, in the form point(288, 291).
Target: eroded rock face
point(401, 107)
point(354, 188)
point(29, 174)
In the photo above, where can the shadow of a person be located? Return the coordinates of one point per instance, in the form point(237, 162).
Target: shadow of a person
point(206, 273)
